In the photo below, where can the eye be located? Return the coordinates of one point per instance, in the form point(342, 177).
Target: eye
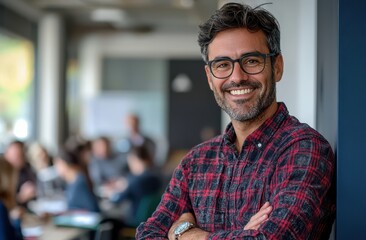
point(221, 65)
point(252, 61)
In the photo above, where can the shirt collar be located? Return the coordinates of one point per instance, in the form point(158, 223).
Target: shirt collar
point(263, 134)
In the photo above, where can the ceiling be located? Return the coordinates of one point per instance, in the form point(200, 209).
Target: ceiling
point(126, 15)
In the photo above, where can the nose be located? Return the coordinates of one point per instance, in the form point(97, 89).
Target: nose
point(238, 73)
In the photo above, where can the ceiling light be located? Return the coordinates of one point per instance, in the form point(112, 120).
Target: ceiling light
point(108, 15)
point(184, 3)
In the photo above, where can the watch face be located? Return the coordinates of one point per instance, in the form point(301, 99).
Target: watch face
point(181, 228)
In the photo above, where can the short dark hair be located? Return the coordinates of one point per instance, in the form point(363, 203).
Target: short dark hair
point(142, 153)
point(70, 157)
point(236, 15)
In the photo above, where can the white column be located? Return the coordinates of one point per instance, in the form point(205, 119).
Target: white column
point(51, 55)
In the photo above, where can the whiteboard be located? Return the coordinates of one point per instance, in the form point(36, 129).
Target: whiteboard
point(105, 114)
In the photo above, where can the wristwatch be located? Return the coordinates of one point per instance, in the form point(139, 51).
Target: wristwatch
point(182, 228)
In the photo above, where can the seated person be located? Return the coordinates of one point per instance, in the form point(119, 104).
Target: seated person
point(79, 195)
point(9, 223)
point(105, 165)
point(48, 181)
point(15, 154)
point(142, 181)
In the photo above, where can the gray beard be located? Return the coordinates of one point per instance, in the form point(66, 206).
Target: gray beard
point(262, 103)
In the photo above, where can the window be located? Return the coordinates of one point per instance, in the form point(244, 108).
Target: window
point(16, 84)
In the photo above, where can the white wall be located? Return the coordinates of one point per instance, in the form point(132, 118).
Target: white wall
point(298, 40)
point(152, 45)
point(298, 43)
point(298, 28)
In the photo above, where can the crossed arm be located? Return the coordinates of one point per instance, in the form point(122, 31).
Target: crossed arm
point(299, 200)
point(199, 234)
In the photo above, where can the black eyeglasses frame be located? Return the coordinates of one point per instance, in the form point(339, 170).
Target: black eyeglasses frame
point(233, 61)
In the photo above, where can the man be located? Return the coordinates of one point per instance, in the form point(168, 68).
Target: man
point(105, 166)
point(268, 176)
point(136, 138)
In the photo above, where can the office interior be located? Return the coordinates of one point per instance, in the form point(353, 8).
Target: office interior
point(87, 64)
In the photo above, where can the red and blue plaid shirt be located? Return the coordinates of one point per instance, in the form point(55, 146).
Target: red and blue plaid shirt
point(284, 162)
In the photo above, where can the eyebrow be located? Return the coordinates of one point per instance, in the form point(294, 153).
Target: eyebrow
point(243, 55)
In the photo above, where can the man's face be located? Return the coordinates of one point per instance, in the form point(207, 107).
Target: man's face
point(242, 96)
point(100, 149)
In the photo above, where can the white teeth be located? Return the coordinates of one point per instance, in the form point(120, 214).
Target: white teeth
point(241, 91)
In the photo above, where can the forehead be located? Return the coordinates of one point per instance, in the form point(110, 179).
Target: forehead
point(235, 42)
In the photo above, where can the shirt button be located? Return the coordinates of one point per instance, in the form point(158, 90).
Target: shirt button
point(259, 145)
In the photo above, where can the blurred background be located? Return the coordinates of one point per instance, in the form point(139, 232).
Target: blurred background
point(80, 67)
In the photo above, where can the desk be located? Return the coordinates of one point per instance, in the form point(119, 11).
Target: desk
point(49, 231)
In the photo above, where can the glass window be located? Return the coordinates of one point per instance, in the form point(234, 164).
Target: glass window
point(16, 82)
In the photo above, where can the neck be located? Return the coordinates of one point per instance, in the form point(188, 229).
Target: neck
point(139, 169)
point(244, 129)
point(71, 175)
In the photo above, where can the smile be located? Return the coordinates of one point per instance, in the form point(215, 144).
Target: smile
point(241, 91)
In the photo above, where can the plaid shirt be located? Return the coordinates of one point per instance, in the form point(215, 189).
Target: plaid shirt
point(284, 162)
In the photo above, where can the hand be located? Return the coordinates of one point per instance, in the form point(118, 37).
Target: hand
point(259, 218)
point(17, 213)
point(27, 192)
point(115, 186)
point(121, 184)
point(192, 234)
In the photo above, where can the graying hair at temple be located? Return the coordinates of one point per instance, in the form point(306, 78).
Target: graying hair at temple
point(235, 15)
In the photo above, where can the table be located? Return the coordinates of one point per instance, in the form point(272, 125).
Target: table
point(44, 229)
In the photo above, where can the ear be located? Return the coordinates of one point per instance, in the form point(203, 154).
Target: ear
point(208, 76)
point(278, 67)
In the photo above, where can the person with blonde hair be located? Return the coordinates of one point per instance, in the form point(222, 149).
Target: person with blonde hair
point(9, 226)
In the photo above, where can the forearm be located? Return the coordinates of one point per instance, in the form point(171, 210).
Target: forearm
point(195, 234)
point(237, 234)
point(199, 234)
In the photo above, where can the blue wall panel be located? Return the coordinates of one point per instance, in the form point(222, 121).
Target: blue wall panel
point(351, 167)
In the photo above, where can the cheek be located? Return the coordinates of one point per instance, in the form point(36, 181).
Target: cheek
point(210, 84)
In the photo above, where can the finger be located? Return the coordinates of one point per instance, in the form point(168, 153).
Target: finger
point(259, 220)
point(265, 205)
point(255, 224)
point(261, 212)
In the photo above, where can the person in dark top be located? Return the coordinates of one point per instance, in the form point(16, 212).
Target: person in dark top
point(106, 166)
point(142, 181)
point(15, 153)
point(136, 138)
point(79, 195)
point(10, 228)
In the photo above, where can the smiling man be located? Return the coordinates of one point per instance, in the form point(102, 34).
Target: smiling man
point(268, 176)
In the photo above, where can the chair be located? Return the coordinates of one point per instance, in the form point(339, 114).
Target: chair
point(104, 231)
point(146, 208)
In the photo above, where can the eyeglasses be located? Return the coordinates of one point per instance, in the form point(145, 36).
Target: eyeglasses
point(250, 63)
